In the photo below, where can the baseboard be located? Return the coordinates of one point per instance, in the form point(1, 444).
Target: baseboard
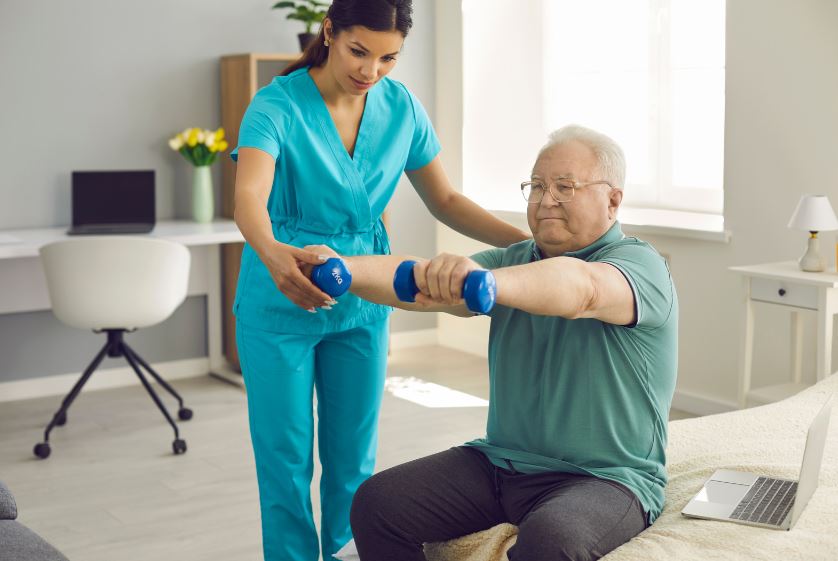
point(104, 378)
point(700, 404)
point(688, 401)
point(415, 338)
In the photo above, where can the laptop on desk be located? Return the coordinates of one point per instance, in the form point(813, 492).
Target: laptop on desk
point(113, 202)
point(757, 500)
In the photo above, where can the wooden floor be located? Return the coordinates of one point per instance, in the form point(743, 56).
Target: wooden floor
point(112, 490)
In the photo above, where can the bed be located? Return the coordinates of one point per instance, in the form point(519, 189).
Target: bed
point(767, 439)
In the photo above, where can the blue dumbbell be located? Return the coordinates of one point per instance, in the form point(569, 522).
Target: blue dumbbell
point(479, 288)
point(332, 277)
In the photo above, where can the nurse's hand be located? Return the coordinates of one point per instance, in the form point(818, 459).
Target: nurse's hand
point(323, 253)
point(440, 280)
point(286, 264)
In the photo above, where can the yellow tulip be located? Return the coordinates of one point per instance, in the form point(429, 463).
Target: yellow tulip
point(220, 133)
point(222, 146)
point(192, 141)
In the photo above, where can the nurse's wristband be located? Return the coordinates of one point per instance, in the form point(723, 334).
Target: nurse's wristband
point(332, 277)
point(479, 288)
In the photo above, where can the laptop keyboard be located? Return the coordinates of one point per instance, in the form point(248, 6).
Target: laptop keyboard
point(768, 501)
point(112, 229)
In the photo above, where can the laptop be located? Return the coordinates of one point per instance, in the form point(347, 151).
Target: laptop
point(113, 202)
point(757, 500)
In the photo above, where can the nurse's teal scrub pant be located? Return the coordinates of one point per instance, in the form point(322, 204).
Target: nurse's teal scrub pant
point(280, 372)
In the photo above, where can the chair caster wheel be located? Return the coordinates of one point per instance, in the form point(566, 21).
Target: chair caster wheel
point(42, 450)
point(184, 414)
point(179, 446)
point(61, 420)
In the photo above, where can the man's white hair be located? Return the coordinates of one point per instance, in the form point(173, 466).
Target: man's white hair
point(612, 161)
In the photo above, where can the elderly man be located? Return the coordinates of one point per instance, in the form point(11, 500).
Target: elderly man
point(582, 362)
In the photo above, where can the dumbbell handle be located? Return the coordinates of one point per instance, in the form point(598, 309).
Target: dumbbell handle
point(479, 288)
point(332, 277)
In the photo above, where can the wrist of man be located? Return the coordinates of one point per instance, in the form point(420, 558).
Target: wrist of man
point(503, 286)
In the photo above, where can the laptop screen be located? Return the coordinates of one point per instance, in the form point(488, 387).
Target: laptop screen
point(113, 197)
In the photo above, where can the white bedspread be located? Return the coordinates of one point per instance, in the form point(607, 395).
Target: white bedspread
point(767, 439)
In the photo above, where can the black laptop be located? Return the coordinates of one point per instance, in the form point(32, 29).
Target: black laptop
point(113, 202)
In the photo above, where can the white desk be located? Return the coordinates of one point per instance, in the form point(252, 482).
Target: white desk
point(784, 284)
point(24, 287)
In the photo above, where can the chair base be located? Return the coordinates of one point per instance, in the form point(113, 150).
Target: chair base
point(117, 347)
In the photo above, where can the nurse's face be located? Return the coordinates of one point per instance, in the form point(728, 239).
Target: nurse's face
point(561, 227)
point(360, 57)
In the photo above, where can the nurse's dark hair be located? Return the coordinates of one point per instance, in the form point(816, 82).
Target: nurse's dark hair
point(378, 15)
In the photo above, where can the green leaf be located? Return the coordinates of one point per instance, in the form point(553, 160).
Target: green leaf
point(285, 4)
point(204, 154)
point(187, 153)
point(316, 16)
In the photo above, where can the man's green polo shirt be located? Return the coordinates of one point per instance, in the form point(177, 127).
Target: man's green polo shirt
point(583, 396)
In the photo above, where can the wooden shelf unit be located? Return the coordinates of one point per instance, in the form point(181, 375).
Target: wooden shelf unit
point(242, 75)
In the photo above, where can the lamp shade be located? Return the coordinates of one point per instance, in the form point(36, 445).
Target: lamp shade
point(814, 214)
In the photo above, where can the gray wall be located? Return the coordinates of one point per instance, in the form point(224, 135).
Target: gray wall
point(98, 84)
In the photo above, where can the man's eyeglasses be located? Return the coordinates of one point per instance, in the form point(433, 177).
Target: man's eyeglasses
point(562, 190)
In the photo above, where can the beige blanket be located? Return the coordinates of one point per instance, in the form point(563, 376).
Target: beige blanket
point(767, 439)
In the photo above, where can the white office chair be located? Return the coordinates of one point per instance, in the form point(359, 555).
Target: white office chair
point(116, 284)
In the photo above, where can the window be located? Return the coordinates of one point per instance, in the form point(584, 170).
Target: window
point(649, 73)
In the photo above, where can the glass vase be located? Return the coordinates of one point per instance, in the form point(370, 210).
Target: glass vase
point(202, 195)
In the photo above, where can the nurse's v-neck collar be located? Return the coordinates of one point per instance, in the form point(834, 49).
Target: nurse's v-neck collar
point(330, 129)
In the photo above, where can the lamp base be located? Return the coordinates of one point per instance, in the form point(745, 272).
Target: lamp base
point(812, 261)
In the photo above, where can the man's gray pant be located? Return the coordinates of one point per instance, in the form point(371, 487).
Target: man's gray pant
point(458, 492)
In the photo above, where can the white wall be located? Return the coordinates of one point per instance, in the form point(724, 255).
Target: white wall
point(781, 141)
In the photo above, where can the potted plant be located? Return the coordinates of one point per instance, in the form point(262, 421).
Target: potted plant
point(201, 148)
point(310, 12)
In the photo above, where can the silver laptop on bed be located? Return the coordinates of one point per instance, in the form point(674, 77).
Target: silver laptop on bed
point(757, 500)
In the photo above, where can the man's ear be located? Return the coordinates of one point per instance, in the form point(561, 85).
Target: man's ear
point(615, 198)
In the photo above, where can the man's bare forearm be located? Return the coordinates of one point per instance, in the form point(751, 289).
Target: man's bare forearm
point(372, 280)
point(554, 287)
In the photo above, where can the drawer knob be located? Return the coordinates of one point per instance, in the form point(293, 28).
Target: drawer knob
point(782, 292)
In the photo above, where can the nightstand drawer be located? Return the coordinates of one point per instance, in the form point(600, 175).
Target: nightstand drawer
point(782, 292)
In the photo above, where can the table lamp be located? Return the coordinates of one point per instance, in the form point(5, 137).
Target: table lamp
point(814, 214)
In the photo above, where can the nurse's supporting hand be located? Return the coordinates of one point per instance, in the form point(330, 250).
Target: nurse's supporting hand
point(285, 263)
point(324, 253)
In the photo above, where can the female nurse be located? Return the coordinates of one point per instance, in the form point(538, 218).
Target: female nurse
point(320, 152)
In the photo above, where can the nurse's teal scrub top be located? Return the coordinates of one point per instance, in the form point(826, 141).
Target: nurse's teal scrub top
point(321, 195)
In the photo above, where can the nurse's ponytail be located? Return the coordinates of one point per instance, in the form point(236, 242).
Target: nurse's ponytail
point(378, 15)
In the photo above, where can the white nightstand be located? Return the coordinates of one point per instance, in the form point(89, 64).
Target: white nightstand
point(784, 284)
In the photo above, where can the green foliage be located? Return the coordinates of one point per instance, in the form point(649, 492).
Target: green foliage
point(309, 12)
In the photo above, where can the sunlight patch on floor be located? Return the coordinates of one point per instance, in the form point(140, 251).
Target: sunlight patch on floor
point(428, 394)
